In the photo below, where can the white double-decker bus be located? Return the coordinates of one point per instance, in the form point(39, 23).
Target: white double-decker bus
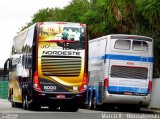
point(120, 68)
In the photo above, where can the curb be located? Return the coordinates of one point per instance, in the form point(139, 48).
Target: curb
point(3, 100)
point(153, 110)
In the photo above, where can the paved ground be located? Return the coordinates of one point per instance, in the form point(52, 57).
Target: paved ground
point(7, 112)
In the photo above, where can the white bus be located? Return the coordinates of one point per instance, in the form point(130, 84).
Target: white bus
point(120, 69)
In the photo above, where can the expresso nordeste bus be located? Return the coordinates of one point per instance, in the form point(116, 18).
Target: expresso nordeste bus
point(48, 66)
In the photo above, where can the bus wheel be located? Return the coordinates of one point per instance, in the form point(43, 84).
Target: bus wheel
point(12, 102)
point(94, 102)
point(33, 106)
point(25, 102)
point(27, 105)
point(90, 103)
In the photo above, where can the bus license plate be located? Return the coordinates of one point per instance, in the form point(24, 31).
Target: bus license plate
point(60, 96)
point(127, 93)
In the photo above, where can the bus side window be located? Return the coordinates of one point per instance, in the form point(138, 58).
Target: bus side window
point(28, 49)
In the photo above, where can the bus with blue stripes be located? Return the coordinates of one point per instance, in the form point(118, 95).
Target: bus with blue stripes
point(120, 71)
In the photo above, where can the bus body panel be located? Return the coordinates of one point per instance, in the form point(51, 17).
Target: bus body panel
point(69, 83)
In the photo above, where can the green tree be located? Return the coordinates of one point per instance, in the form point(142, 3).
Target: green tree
point(74, 11)
point(70, 13)
point(104, 17)
point(149, 12)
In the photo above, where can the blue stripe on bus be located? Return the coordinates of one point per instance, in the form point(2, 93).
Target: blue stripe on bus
point(124, 57)
point(127, 89)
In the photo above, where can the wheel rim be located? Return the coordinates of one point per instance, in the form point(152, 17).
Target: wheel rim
point(94, 103)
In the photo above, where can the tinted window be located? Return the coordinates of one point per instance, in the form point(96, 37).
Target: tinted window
point(140, 46)
point(123, 44)
point(19, 41)
point(73, 35)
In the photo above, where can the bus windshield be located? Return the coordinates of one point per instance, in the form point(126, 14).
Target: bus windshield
point(69, 34)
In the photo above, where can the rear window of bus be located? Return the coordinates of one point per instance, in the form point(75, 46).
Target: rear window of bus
point(140, 46)
point(122, 44)
point(126, 45)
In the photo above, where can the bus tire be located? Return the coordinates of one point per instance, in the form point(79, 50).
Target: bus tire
point(33, 106)
point(25, 102)
point(90, 103)
point(94, 102)
point(12, 102)
point(29, 106)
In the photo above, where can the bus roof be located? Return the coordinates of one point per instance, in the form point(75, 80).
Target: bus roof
point(124, 36)
point(71, 23)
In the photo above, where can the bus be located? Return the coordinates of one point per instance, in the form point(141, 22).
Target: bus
point(120, 71)
point(48, 65)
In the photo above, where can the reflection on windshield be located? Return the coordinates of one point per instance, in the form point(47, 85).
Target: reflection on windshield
point(72, 33)
point(72, 36)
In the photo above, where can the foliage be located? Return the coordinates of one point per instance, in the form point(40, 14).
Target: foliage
point(110, 16)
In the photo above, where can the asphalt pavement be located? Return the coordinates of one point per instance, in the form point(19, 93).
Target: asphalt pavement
point(7, 112)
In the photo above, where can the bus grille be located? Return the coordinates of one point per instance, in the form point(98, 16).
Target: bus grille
point(61, 65)
point(129, 72)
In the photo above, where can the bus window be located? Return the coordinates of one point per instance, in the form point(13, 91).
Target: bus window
point(140, 46)
point(123, 44)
